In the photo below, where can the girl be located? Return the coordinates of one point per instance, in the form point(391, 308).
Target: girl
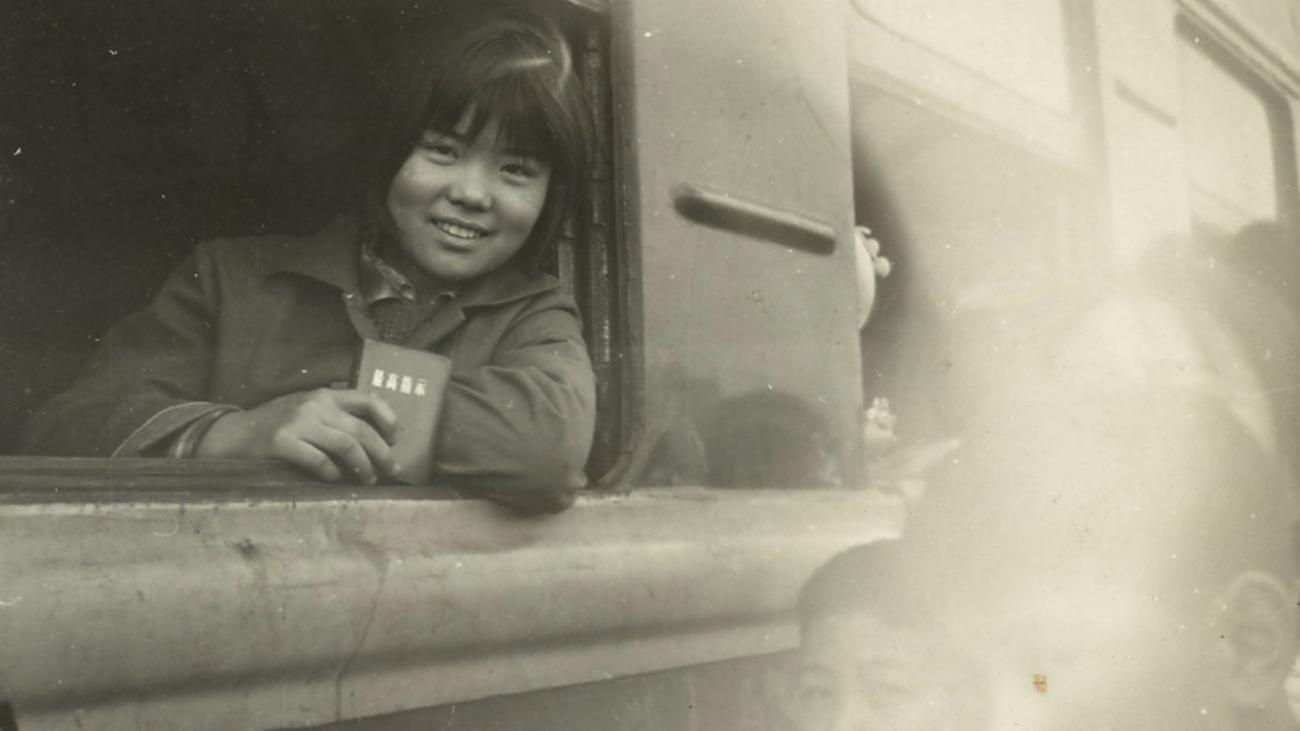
point(479, 154)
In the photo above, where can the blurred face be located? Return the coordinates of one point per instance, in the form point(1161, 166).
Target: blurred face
point(464, 206)
point(861, 673)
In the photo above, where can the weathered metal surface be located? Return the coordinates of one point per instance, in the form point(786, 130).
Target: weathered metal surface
point(749, 100)
point(746, 694)
point(262, 613)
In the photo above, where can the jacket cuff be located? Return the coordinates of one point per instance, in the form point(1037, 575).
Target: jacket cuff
point(183, 443)
point(165, 432)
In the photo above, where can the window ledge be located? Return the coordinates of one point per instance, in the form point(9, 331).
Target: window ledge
point(230, 610)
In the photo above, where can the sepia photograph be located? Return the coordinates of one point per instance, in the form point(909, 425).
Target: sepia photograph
point(700, 365)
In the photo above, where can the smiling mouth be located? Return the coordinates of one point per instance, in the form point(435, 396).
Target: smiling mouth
point(459, 230)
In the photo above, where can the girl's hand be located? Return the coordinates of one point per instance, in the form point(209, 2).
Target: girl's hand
point(878, 428)
point(325, 431)
point(870, 266)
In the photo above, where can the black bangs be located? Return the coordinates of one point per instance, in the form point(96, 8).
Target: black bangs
point(516, 71)
point(517, 104)
point(511, 77)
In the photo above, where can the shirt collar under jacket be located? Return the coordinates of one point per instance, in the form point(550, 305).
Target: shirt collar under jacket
point(333, 257)
point(379, 280)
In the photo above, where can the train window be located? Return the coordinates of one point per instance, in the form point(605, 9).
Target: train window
point(981, 232)
point(1017, 71)
point(1240, 166)
point(974, 152)
point(973, 162)
point(134, 131)
point(1019, 45)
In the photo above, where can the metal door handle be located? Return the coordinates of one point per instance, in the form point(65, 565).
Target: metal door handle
point(717, 209)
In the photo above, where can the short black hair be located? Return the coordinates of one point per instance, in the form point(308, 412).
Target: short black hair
point(876, 579)
point(492, 61)
point(767, 439)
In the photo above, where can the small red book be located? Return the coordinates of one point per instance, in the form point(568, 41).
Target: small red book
point(412, 382)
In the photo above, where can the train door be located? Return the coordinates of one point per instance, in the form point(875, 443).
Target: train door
point(737, 206)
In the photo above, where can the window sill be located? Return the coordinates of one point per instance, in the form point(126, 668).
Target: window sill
point(253, 606)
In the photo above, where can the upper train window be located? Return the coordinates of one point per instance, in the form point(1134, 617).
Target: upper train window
point(973, 164)
point(1022, 46)
point(1238, 145)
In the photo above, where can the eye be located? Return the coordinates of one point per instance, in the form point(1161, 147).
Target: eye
point(523, 170)
point(440, 148)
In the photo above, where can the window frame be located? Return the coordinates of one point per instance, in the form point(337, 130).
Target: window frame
point(1261, 78)
point(894, 63)
point(589, 259)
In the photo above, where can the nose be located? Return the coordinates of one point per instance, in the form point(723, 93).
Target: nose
point(471, 189)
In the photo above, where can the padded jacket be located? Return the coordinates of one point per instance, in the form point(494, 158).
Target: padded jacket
point(243, 321)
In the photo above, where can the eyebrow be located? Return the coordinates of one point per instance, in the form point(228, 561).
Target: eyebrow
point(440, 132)
point(523, 152)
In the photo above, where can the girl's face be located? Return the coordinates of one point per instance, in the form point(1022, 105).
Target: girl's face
point(462, 206)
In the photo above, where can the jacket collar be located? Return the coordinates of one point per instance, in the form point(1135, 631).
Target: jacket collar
point(328, 256)
point(332, 256)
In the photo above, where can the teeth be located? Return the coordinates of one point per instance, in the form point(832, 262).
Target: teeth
point(460, 232)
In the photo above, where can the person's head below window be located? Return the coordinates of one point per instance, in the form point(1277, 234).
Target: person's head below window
point(1090, 560)
point(769, 439)
point(874, 652)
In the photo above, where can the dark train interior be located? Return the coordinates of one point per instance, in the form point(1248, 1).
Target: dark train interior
point(134, 130)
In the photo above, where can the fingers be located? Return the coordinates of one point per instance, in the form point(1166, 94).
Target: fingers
point(372, 408)
point(332, 454)
point(310, 458)
point(344, 449)
point(320, 433)
point(362, 447)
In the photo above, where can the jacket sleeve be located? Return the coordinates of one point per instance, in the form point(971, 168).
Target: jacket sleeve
point(145, 383)
point(519, 430)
